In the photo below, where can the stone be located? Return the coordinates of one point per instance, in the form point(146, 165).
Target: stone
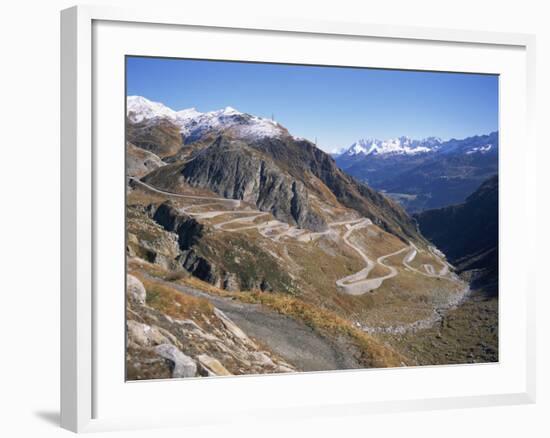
point(230, 282)
point(283, 369)
point(233, 328)
point(144, 335)
point(183, 365)
point(213, 366)
point(135, 290)
point(263, 359)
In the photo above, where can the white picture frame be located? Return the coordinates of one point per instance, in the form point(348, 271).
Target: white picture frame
point(82, 408)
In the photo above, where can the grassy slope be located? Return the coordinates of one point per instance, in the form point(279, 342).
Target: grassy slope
point(373, 352)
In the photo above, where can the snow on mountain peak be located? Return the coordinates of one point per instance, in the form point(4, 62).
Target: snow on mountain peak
point(398, 146)
point(229, 110)
point(480, 149)
point(194, 124)
point(139, 108)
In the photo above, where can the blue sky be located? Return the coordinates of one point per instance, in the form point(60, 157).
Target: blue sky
point(336, 105)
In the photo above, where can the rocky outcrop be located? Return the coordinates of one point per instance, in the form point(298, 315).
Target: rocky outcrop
point(188, 229)
point(200, 267)
point(230, 282)
point(211, 367)
point(146, 335)
point(189, 232)
point(140, 162)
point(149, 241)
point(135, 290)
point(188, 338)
point(233, 328)
point(182, 365)
point(234, 170)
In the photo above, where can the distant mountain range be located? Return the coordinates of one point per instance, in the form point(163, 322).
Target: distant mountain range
point(423, 174)
point(394, 146)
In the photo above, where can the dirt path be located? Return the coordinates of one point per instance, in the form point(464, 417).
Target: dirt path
point(429, 269)
point(295, 342)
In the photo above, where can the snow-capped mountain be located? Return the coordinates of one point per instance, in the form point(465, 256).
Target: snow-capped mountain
point(480, 149)
point(423, 174)
point(195, 124)
point(139, 108)
point(394, 146)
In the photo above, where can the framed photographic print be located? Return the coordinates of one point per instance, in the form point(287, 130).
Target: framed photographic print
point(265, 208)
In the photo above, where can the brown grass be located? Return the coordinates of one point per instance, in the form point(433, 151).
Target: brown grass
point(374, 353)
point(173, 303)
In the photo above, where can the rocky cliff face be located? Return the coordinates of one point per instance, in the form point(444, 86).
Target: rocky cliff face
point(301, 157)
point(234, 170)
point(189, 231)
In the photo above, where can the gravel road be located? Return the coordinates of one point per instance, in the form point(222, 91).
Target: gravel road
point(294, 341)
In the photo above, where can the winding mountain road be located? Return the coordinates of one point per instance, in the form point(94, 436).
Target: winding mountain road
point(430, 270)
point(232, 202)
point(357, 283)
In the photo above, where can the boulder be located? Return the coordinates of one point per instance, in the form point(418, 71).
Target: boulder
point(212, 366)
point(144, 335)
point(183, 365)
point(135, 290)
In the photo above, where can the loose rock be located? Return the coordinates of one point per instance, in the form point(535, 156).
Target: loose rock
point(184, 366)
point(135, 290)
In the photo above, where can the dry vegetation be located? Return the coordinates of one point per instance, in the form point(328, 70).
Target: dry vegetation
point(172, 303)
point(373, 352)
point(302, 278)
point(465, 334)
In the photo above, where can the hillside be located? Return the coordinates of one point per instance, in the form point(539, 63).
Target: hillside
point(468, 233)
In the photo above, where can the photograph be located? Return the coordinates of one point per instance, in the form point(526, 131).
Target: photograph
point(289, 218)
point(285, 220)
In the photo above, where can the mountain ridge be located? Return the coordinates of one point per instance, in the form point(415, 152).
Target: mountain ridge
point(194, 124)
point(299, 159)
point(443, 175)
point(399, 145)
